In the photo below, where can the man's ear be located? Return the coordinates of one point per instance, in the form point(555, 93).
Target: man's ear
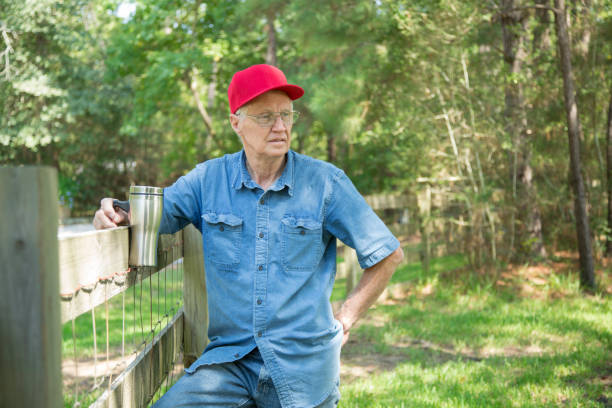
point(235, 122)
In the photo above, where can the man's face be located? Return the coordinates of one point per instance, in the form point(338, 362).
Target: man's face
point(265, 142)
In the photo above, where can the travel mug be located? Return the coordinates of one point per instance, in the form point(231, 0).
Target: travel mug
point(145, 207)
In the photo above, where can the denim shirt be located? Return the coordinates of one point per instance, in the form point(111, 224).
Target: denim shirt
point(270, 264)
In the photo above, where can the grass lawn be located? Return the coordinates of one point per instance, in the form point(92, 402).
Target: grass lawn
point(411, 272)
point(526, 338)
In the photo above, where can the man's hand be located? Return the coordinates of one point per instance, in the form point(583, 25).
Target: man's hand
point(108, 217)
point(346, 327)
point(368, 289)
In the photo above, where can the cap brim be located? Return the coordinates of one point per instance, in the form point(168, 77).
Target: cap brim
point(293, 92)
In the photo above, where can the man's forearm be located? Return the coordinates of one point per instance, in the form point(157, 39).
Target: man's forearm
point(369, 288)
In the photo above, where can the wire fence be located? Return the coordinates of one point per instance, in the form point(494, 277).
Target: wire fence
point(98, 346)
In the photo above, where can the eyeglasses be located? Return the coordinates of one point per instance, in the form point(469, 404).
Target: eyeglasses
point(268, 119)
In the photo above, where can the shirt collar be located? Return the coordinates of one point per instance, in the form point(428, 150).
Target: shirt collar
point(243, 178)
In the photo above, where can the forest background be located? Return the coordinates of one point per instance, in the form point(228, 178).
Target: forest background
point(463, 98)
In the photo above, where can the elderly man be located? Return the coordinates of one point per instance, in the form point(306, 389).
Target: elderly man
point(269, 219)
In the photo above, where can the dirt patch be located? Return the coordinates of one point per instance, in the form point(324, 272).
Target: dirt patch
point(534, 281)
point(86, 375)
point(357, 367)
point(359, 359)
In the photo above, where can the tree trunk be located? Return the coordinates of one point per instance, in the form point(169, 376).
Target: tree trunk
point(541, 32)
point(587, 274)
point(212, 86)
point(331, 149)
point(514, 22)
point(609, 179)
point(583, 17)
point(271, 53)
point(424, 214)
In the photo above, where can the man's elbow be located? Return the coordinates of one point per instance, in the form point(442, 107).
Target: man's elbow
point(397, 256)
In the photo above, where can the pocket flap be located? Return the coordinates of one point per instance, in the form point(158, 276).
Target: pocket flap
point(228, 219)
point(306, 223)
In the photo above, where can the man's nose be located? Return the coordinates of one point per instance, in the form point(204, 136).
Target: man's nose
point(279, 125)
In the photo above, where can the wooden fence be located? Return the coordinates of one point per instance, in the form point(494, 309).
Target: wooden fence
point(49, 281)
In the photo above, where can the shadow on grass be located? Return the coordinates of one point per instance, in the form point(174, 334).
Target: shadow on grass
point(465, 343)
point(425, 374)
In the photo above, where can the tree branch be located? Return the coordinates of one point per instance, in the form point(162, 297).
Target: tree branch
point(5, 54)
point(193, 85)
point(502, 11)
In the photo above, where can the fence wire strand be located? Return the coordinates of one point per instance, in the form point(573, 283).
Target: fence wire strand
point(107, 336)
point(76, 361)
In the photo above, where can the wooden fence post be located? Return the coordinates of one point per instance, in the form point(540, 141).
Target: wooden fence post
point(30, 330)
point(424, 203)
point(194, 296)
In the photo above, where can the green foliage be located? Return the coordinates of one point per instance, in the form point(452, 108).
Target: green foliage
point(396, 92)
point(34, 106)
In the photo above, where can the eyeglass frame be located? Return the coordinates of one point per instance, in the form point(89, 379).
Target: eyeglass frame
point(256, 118)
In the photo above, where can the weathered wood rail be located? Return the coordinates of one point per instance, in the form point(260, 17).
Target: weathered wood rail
point(51, 280)
point(87, 270)
point(94, 267)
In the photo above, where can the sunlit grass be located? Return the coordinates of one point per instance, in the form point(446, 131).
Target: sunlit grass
point(457, 340)
point(410, 272)
point(459, 344)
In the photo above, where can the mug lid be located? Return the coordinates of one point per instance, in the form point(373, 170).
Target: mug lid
point(146, 190)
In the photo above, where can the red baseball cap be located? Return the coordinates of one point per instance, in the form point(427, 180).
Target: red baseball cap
point(249, 83)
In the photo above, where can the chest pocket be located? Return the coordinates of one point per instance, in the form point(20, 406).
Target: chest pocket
point(301, 244)
point(223, 239)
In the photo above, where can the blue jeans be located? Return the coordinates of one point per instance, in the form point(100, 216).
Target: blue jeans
point(241, 383)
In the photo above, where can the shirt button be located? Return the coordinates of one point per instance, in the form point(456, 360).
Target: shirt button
point(260, 267)
point(259, 301)
point(221, 228)
point(262, 201)
point(237, 355)
point(259, 334)
point(302, 232)
point(261, 235)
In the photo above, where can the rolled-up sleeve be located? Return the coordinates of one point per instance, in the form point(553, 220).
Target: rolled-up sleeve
point(349, 218)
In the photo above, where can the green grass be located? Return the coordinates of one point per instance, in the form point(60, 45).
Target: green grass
point(455, 340)
point(470, 344)
point(411, 272)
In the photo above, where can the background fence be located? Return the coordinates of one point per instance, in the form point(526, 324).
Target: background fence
point(52, 281)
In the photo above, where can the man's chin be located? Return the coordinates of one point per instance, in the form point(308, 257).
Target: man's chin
point(278, 148)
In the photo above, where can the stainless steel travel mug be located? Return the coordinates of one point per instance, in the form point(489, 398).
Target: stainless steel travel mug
point(145, 207)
